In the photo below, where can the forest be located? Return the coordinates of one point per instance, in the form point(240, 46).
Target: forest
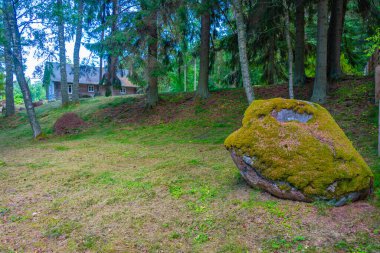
point(119, 119)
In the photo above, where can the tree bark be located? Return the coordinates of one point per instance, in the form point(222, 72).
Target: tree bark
point(11, 17)
point(179, 63)
point(290, 50)
point(242, 44)
point(195, 74)
point(113, 58)
point(299, 68)
point(377, 82)
point(78, 39)
point(62, 54)
point(335, 31)
point(271, 63)
point(10, 103)
point(103, 20)
point(152, 91)
point(185, 73)
point(202, 89)
point(320, 82)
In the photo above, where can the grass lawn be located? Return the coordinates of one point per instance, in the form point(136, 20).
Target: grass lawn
point(161, 181)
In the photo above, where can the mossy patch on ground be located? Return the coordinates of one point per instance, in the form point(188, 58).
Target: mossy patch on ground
point(311, 156)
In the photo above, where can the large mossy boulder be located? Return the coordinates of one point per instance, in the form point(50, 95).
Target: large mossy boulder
point(295, 150)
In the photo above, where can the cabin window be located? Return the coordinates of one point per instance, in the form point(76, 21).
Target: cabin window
point(91, 88)
point(70, 89)
point(123, 90)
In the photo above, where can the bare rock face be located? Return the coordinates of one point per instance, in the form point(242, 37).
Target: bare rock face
point(295, 150)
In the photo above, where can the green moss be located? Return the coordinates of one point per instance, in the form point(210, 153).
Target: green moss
point(310, 156)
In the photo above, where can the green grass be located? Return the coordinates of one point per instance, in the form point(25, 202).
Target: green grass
point(172, 187)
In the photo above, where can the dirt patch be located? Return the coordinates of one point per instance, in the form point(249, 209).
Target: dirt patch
point(69, 123)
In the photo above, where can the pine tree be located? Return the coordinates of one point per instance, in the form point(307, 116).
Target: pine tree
point(202, 89)
point(77, 45)
point(320, 83)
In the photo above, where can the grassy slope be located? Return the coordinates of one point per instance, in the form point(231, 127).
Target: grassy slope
point(162, 180)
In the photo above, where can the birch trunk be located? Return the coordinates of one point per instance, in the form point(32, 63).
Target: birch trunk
point(242, 44)
point(76, 57)
point(11, 17)
point(290, 49)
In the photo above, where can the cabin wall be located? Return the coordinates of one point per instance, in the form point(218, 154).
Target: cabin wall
point(99, 90)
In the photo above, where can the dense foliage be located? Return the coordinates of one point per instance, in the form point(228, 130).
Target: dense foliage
point(188, 45)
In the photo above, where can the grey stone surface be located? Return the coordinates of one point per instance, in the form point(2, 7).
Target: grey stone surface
point(286, 115)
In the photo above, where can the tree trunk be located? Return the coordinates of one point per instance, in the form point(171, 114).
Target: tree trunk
point(12, 26)
point(335, 31)
point(113, 58)
point(10, 103)
point(185, 73)
point(195, 74)
point(377, 83)
point(242, 44)
point(103, 21)
point(152, 91)
point(78, 39)
point(320, 82)
point(299, 68)
point(179, 63)
point(271, 62)
point(62, 54)
point(202, 90)
point(290, 49)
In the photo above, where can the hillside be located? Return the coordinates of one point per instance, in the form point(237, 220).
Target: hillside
point(142, 180)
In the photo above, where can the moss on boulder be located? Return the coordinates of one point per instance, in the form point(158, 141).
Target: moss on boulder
point(295, 149)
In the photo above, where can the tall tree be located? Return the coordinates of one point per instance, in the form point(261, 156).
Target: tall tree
point(103, 21)
point(12, 26)
point(335, 32)
point(290, 50)
point(204, 54)
point(111, 78)
point(195, 74)
point(299, 63)
point(62, 53)
point(151, 67)
point(77, 45)
point(10, 103)
point(242, 44)
point(320, 82)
